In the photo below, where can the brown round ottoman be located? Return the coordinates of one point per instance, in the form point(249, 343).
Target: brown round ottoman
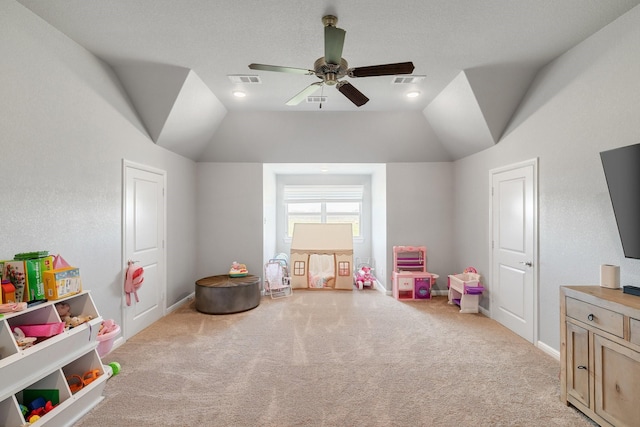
point(225, 295)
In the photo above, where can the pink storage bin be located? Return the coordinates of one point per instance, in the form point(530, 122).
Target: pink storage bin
point(44, 330)
point(105, 341)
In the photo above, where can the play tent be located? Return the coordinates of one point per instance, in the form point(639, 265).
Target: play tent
point(322, 256)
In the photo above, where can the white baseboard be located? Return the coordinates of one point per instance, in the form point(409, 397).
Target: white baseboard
point(180, 303)
point(549, 350)
point(117, 343)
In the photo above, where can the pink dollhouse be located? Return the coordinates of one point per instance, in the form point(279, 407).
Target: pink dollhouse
point(322, 256)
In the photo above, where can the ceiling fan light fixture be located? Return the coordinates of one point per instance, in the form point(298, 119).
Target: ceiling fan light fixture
point(353, 94)
point(332, 67)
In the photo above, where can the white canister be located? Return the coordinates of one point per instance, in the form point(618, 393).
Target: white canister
point(610, 276)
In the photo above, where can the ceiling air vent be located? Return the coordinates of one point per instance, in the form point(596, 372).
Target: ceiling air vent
point(401, 80)
point(245, 79)
point(316, 99)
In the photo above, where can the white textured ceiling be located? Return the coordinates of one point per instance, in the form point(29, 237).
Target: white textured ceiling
point(174, 58)
point(215, 38)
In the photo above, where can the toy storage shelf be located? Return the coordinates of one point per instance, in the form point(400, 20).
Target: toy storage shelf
point(410, 258)
point(410, 286)
point(48, 363)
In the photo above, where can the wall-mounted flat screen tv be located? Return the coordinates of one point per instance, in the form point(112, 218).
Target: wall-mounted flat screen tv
point(622, 171)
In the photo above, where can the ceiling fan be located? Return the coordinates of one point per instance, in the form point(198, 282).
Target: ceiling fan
point(332, 67)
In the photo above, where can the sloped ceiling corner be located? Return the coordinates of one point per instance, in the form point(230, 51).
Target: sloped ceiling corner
point(179, 111)
point(499, 90)
point(193, 120)
point(472, 112)
point(153, 89)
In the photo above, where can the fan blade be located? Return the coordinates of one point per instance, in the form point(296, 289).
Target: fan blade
point(354, 95)
point(304, 93)
point(382, 70)
point(333, 43)
point(277, 68)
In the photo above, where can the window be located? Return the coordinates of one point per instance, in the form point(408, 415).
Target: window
point(344, 269)
point(298, 268)
point(323, 204)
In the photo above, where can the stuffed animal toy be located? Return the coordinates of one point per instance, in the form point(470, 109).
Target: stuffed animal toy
point(63, 309)
point(74, 321)
point(71, 321)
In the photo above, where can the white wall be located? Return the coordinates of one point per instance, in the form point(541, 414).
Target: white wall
point(66, 126)
point(420, 213)
point(230, 217)
point(586, 101)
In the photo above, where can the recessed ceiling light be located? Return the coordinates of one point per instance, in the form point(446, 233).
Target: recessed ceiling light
point(413, 94)
point(239, 94)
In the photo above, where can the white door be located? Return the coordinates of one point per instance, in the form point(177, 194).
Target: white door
point(144, 236)
point(514, 242)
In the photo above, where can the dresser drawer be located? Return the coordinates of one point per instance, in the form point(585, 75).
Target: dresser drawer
point(634, 331)
point(598, 317)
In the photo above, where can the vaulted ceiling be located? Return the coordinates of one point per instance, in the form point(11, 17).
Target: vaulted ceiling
point(175, 60)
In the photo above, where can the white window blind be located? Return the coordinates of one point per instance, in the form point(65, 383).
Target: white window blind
point(323, 204)
point(322, 192)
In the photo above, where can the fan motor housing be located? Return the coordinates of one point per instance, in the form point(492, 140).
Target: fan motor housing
point(330, 73)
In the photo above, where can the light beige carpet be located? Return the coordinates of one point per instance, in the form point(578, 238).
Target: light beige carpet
point(332, 358)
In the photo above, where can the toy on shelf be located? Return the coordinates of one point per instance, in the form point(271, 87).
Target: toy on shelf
point(363, 276)
point(38, 403)
point(77, 382)
point(70, 320)
point(465, 290)
point(238, 270)
point(22, 340)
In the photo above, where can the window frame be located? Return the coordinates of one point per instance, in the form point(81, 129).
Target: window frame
point(324, 194)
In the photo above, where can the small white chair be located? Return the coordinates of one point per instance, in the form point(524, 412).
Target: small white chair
point(277, 282)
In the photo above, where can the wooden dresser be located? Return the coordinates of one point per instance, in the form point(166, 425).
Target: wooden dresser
point(600, 353)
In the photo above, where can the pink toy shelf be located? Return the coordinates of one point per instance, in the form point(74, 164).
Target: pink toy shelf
point(410, 278)
point(410, 258)
point(465, 290)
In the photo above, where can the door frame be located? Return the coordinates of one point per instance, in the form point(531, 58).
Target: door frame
point(125, 165)
point(535, 270)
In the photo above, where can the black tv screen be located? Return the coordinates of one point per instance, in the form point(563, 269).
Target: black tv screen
point(622, 171)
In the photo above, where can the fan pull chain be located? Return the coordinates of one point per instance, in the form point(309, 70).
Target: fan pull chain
point(321, 96)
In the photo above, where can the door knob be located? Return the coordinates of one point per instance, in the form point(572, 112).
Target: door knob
point(527, 263)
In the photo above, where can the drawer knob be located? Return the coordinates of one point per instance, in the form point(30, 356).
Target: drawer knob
point(591, 317)
point(582, 367)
